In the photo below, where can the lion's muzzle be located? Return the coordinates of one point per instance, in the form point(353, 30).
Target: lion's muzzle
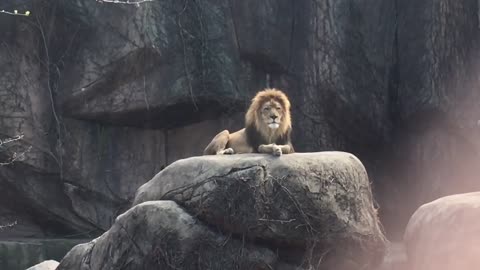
point(274, 125)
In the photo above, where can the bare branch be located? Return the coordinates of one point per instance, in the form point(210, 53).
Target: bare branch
point(9, 225)
point(15, 13)
point(9, 140)
point(15, 155)
point(125, 2)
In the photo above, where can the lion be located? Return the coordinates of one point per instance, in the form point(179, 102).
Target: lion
point(268, 126)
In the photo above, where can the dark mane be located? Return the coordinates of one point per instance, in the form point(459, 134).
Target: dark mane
point(255, 139)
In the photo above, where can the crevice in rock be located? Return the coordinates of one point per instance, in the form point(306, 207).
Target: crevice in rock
point(394, 80)
point(139, 62)
point(170, 195)
point(132, 240)
point(235, 30)
point(161, 117)
point(292, 32)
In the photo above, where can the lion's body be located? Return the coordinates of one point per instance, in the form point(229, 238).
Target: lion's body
point(267, 128)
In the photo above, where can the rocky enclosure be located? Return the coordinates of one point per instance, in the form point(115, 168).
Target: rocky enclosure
point(108, 94)
point(247, 211)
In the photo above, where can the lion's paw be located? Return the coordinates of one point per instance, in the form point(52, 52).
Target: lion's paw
point(277, 151)
point(228, 151)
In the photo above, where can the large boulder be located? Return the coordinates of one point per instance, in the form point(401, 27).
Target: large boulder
point(45, 265)
point(308, 207)
point(161, 235)
point(443, 234)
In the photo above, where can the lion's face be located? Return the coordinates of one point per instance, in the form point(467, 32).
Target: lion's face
point(271, 114)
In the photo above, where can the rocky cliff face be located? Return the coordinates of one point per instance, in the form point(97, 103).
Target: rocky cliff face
point(108, 94)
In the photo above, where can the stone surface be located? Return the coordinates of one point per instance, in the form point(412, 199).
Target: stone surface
point(173, 64)
point(304, 202)
point(443, 234)
point(161, 235)
point(46, 265)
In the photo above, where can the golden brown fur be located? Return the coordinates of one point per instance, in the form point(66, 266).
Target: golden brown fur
point(268, 125)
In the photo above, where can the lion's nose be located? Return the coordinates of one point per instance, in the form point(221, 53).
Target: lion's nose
point(273, 117)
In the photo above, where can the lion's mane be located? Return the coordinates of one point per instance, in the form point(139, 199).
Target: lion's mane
point(257, 131)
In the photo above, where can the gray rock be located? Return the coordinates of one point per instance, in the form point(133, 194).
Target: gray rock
point(319, 201)
point(161, 235)
point(443, 234)
point(46, 265)
point(168, 70)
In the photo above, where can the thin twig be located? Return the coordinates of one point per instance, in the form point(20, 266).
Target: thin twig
point(126, 2)
point(277, 220)
point(9, 140)
point(16, 157)
point(2, 227)
point(15, 13)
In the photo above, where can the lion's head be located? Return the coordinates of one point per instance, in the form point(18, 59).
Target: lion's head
point(269, 114)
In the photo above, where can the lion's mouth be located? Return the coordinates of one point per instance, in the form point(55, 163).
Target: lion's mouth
point(274, 125)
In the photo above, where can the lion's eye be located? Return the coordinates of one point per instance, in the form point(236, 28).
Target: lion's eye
point(266, 108)
point(278, 108)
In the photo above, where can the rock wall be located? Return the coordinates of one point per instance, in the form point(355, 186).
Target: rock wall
point(108, 94)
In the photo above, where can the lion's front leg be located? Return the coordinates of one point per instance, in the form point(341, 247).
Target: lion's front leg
point(274, 149)
point(270, 149)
